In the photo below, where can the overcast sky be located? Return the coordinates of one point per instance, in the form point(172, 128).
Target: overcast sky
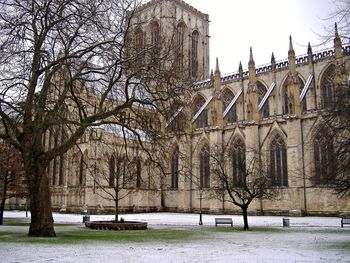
point(235, 25)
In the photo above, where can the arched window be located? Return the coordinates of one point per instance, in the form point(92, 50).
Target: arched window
point(139, 46)
point(176, 118)
point(81, 171)
point(327, 87)
point(112, 171)
point(304, 101)
point(61, 159)
point(202, 119)
point(238, 163)
point(287, 104)
point(175, 169)
point(54, 166)
point(204, 166)
point(323, 158)
point(278, 162)
point(155, 34)
point(227, 98)
point(265, 109)
point(194, 54)
point(180, 40)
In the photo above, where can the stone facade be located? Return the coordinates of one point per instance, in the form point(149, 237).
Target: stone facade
point(278, 104)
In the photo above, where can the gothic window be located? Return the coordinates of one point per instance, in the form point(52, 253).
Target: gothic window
point(54, 166)
point(122, 172)
point(202, 119)
point(304, 102)
point(262, 91)
point(278, 162)
point(327, 87)
point(112, 171)
point(175, 169)
point(155, 35)
point(227, 98)
point(176, 118)
point(286, 102)
point(287, 105)
point(139, 43)
point(81, 171)
point(238, 163)
point(61, 160)
point(323, 158)
point(138, 173)
point(204, 166)
point(194, 54)
point(180, 39)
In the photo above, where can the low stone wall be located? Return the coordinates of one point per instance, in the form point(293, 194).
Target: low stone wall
point(109, 225)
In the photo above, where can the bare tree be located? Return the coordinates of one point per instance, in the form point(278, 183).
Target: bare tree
point(66, 65)
point(341, 14)
point(239, 180)
point(334, 166)
point(12, 183)
point(119, 171)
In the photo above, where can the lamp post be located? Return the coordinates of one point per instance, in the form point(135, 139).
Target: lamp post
point(200, 207)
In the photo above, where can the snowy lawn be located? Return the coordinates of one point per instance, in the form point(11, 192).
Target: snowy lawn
point(178, 238)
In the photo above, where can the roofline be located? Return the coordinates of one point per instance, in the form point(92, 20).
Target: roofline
point(179, 2)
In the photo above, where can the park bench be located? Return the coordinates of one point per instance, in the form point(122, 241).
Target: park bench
point(223, 221)
point(345, 221)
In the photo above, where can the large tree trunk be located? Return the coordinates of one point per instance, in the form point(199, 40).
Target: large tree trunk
point(245, 217)
point(41, 224)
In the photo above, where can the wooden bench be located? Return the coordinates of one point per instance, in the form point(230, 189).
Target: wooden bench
point(223, 221)
point(345, 221)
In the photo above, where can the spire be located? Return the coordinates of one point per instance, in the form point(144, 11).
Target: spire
point(337, 43)
point(336, 30)
point(273, 61)
point(310, 58)
point(251, 67)
point(217, 77)
point(251, 59)
point(240, 69)
point(291, 57)
point(217, 70)
point(291, 49)
point(309, 49)
point(251, 63)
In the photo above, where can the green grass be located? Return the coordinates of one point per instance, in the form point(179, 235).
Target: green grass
point(83, 235)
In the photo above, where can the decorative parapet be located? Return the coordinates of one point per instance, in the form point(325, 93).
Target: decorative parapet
point(280, 65)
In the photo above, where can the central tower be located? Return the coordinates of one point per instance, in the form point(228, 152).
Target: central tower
point(185, 27)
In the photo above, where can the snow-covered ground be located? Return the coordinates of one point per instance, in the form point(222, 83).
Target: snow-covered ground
point(309, 239)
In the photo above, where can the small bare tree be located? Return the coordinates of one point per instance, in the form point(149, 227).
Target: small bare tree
point(118, 176)
point(237, 179)
point(12, 180)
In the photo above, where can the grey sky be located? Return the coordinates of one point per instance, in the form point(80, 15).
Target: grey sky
point(265, 26)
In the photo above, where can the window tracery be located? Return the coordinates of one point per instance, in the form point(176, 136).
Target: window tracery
point(202, 119)
point(238, 163)
point(278, 162)
point(204, 166)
